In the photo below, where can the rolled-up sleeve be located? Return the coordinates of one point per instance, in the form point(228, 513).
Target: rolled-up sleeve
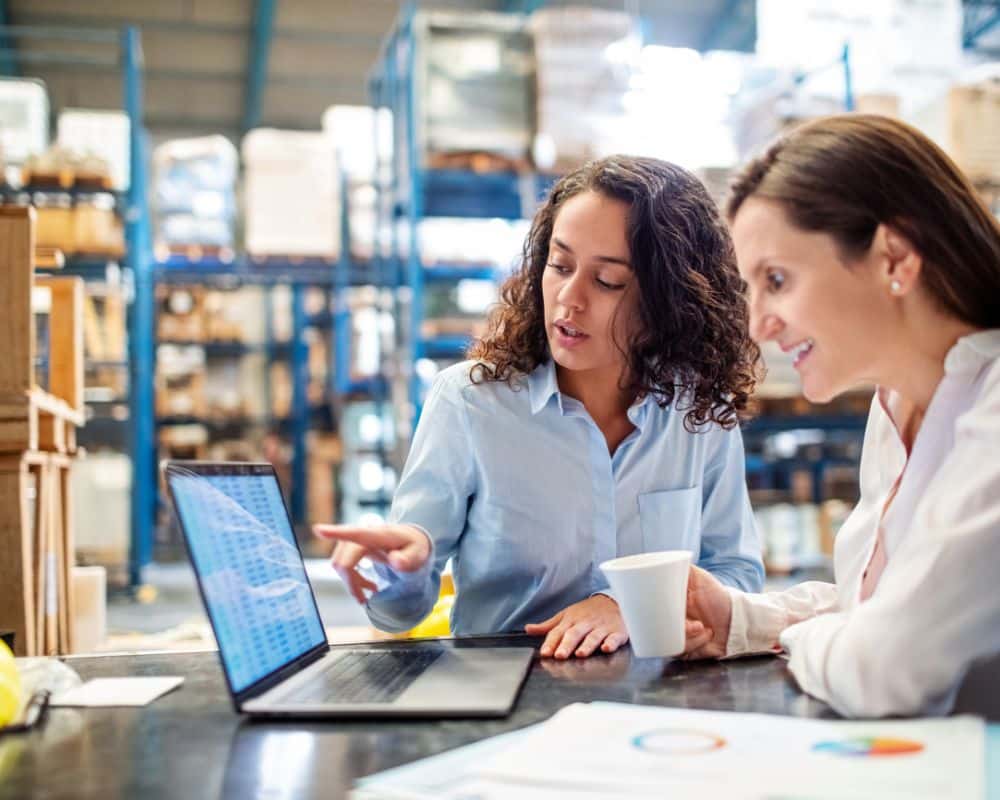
point(936, 608)
point(433, 494)
point(730, 545)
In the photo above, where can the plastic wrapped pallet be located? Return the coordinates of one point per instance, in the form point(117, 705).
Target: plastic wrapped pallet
point(911, 49)
point(584, 60)
point(362, 141)
point(779, 104)
point(194, 192)
point(291, 194)
point(101, 488)
point(104, 134)
point(475, 81)
point(24, 119)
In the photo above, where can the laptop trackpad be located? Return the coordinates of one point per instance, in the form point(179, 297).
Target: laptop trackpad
point(469, 679)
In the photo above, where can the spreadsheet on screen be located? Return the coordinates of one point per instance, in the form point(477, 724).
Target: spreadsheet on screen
point(250, 569)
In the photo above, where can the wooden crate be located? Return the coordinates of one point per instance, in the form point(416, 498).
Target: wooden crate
point(37, 438)
point(31, 417)
point(36, 552)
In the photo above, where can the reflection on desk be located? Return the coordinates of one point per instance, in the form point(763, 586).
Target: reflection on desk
point(191, 744)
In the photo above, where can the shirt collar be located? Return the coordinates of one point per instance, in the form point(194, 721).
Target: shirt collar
point(972, 351)
point(542, 385)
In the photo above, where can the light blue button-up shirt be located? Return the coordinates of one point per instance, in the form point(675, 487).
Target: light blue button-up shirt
point(517, 486)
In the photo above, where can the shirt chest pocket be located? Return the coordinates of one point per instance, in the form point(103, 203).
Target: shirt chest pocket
point(671, 520)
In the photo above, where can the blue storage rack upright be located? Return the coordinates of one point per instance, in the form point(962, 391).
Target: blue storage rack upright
point(417, 192)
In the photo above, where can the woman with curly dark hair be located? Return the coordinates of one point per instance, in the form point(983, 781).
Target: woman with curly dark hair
point(597, 418)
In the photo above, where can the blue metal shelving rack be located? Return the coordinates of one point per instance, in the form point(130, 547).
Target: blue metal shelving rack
point(124, 51)
point(333, 276)
point(418, 192)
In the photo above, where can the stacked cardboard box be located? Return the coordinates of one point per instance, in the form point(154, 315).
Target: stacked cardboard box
point(475, 75)
point(194, 194)
point(291, 194)
point(584, 59)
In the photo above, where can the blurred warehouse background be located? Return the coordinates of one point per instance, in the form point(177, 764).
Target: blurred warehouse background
point(290, 214)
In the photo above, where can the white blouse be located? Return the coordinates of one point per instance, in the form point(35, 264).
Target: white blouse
point(936, 607)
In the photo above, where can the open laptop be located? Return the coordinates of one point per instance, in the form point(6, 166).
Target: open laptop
point(271, 639)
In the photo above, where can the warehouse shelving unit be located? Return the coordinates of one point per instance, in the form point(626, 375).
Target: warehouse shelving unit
point(299, 274)
point(416, 192)
point(124, 52)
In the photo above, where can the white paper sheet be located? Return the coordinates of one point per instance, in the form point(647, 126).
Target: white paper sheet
point(117, 692)
point(627, 752)
point(649, 751)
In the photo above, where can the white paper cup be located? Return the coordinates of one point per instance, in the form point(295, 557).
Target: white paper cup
point(651, 590)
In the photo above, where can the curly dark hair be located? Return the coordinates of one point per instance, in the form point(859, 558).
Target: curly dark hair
point(692, 336)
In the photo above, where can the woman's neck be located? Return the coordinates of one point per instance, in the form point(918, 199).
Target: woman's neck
point(914, 364)
point(599, 391)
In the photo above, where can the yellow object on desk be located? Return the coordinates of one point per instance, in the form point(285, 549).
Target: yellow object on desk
point(438, 622)
point(10, 686)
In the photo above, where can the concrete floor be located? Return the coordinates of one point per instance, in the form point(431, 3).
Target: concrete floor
point(167, 611)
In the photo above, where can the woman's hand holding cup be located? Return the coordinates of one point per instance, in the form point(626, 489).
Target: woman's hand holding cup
point(709, 610)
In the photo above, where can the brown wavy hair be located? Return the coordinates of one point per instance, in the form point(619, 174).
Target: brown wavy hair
point(847, 174)
point(692, 338)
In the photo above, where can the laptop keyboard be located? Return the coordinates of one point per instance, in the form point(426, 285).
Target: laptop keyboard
point(365, 676)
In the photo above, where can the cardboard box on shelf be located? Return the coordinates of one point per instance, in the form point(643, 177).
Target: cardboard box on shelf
point(453, 326)
point(324, 455)
point(97, 229)
point(973, 121)
point(56, 225)
point(183, 441)
point(181, 315)
point(181, 396)
point(281, 389)
point(234, 315)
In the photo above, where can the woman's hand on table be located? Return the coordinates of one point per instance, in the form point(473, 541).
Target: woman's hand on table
point(405, 548)
point(582, 628)
point(709, 610)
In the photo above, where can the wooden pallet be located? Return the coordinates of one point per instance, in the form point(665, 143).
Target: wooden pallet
point(64, 178)
point(36, 552)
point(476, 161)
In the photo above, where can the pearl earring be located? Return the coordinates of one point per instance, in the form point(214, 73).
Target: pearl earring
point(895, 287)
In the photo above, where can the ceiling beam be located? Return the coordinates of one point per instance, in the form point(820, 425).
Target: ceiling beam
point(331, 83)
point(184, 28)
point(219, 124)
point(260, 50)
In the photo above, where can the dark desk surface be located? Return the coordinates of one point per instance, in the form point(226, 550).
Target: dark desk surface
point(191, 744)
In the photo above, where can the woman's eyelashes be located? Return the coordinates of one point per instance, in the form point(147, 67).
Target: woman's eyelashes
point(563, 269)
point(774, 280)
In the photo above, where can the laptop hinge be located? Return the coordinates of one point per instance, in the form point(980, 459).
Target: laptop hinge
point(270, 681)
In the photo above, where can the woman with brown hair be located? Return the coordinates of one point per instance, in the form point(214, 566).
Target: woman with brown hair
point(596, 418)
point(869, 255)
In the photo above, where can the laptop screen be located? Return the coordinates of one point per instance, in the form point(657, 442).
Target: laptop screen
point(248, 563)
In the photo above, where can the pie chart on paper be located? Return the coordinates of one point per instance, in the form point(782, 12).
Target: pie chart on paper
point(870, 746)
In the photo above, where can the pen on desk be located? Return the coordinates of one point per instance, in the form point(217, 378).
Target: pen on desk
point(33, 713)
